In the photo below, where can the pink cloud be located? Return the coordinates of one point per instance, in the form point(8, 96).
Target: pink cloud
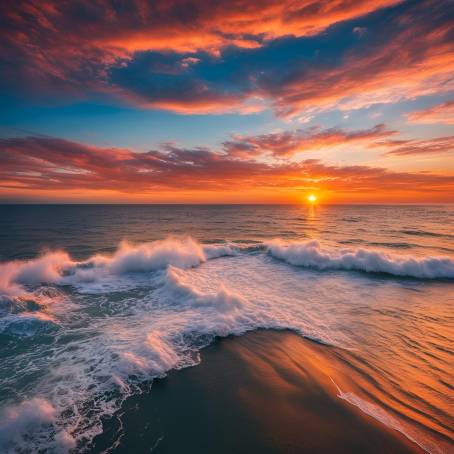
point(45, 163)
point(439, 114)
point(417, 61)
point(288, 143)
point(70, 47)
point(437, 145)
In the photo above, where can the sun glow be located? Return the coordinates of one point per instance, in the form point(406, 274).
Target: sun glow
point(311, 198)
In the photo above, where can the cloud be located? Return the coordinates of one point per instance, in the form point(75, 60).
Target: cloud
point(172, 82)
point(79, 49)
point(175, 25)
point(360, 31)
point(288, 143)
point(437, 145)
point(408, 56)
point(46, 163)
point(439, 114)
point(52, 38)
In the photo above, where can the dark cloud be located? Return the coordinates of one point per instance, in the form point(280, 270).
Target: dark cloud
point(204, 56)
point(408, 54)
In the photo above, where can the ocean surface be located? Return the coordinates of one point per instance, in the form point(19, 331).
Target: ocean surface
point(97, 301)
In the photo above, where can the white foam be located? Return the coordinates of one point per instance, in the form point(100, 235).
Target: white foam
point(154, 357)
point(47, 268)
point(57, 267)
point(170, 308)
point(223, 301)
point(311, 254)
point(181, 252)
point(143, 341)
point(18, 422)
point(388, 420)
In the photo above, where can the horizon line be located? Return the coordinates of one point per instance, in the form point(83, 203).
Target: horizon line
point(220, 204)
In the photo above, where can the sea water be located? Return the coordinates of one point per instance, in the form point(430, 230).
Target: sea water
point(98, 300)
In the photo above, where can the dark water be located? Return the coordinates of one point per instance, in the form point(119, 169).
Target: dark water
point(86, 322)
point(86, 229)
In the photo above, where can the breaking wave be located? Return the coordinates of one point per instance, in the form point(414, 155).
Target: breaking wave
point(311, 254)
point(162, 330)
point(57, 267)
point(18, 420)
point(118, 321)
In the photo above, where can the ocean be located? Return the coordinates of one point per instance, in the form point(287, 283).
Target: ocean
point(99, 301)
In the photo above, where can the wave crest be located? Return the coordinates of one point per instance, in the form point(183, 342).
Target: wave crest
point(57, 267)
point(311, 254)
point(223, 301)
point(179, 252)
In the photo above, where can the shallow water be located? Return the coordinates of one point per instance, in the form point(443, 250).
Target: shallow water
point(86, 322)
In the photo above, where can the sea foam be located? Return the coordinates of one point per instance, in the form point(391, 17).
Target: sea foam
point(388, 420)
point(120, 339)
point(311, 254)
point(57, 267)
point(22, 420)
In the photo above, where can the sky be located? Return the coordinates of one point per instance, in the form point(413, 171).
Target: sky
point(216, 101)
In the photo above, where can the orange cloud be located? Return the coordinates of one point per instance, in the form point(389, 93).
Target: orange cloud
point(66, 46)
point(288, 143)
point(177, 25)
point(56, 167)
point(200, 100)
point(417, 61)
point(439, 114)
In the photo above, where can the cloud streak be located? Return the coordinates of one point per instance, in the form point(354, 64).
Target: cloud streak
point(417, 59)
point(286, 144)
point(437, 146)
point(177, 25)
point(439, 114)
point(289, 143)
point(46, 163)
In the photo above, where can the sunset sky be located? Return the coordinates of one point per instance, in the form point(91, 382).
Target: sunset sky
point(239, 101)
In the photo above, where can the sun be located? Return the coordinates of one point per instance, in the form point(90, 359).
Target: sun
point(311, 198)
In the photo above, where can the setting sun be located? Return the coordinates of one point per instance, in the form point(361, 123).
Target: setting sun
point(311, 198)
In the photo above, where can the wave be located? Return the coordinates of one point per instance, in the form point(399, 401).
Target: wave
point(426, 233)
point(112, 344)
point(197, 313)
point(18, 419)
point(148, 337)
point(28, 303)
point(223, 300)
point(311, 254)
point(29, 313)
point(57, 267)
point(45, 269)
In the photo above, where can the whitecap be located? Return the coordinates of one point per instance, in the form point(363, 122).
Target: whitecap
point(311, 254)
